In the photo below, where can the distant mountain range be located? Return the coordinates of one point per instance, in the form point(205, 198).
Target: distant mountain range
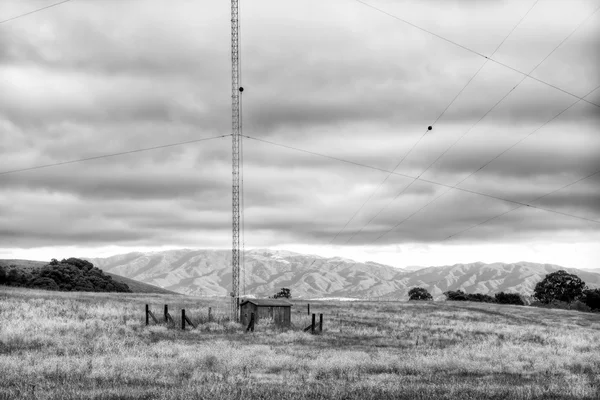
point(595, 270)
point(208, 273)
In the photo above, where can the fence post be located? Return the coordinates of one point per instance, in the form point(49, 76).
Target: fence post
point(149, 314)
point(209, 314)
point(308, 308)
point(312, 326)
point(320, 323)
point(182, 319)
point(166, 313)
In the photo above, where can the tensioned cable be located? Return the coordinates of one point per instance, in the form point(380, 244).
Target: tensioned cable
point(504, 213)
point(473, 126)
point(482, 167)
point(476, 52)
point(379, 187)
point(486, 61)
point(34, 11)
point(519, 206)
point(393, 16)
point(14, 171)
point(420, 179)
point(523, 139)
point(436, 120)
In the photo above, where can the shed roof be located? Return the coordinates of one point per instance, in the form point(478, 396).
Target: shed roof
point(268, 302)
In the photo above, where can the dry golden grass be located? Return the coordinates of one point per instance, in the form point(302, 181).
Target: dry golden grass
point(84, 345)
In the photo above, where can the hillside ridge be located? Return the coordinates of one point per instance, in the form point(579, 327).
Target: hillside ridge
point(204, 272)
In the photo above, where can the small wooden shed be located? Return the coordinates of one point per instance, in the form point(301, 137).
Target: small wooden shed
point(279, 310)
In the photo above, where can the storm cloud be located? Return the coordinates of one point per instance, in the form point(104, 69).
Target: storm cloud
point(336, 78)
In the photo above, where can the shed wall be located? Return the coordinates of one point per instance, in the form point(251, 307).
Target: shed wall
point(281, 315)
point(246, 310)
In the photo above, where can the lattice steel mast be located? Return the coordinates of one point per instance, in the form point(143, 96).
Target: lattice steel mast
point(236, 89)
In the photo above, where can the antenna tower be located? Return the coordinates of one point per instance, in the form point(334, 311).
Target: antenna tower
point(236, 90)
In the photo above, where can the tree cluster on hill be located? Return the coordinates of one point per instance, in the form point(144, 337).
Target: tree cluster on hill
point(501, 298)
point(563, 290)
point(419, 293)
point(71, 274)
point(557, 290)
point(284, 293)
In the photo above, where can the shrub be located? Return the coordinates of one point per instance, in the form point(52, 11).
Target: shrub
point(579, 306)
point(509, 298)
point(44, 283)
point(591, 298)
point(458, 295)
point(561, 305)
point(283, 293)
point(2, 275)
point(418, 293)
point(14, 277)
point(482, 298)
point(502, 298)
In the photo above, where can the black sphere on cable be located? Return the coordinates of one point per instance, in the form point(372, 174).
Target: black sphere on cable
point(429, 128)
point(241, 89)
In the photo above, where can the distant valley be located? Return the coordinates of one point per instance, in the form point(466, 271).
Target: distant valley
point(208, 273)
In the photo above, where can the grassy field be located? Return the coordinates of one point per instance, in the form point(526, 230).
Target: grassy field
point(56, 345)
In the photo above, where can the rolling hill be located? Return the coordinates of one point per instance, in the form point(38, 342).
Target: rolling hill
point(208, 273)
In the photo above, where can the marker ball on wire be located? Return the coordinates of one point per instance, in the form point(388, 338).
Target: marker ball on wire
point(429, 128)
point(241, 89)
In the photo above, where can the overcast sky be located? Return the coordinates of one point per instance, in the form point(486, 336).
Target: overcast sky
point(336, 77)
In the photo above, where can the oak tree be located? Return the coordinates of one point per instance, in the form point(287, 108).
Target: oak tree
point(418, 293)
point(559, 285)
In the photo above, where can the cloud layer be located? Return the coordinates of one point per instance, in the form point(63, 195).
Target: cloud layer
point(337, 78)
